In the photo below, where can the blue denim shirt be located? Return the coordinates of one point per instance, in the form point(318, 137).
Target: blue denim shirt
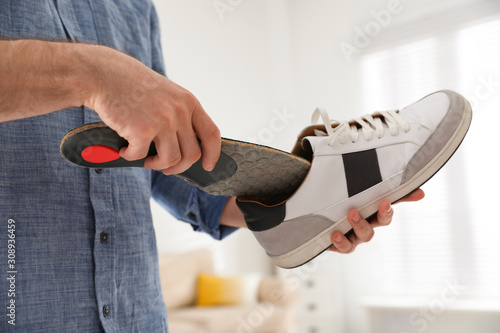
point(77, 247)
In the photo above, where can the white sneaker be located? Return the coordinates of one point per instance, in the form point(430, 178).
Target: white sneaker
point(357, 164)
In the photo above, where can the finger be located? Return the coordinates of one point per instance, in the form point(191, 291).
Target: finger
point(384, 215)
point(135, 150)
point(190, 153)
point(209, 135)
point(341, 243)
point(168, 152)
point(362, 229)
point(416, 195)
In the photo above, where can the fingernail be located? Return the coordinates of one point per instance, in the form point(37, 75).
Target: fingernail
point(389, 211)
point(356, 218)
point(338, 238)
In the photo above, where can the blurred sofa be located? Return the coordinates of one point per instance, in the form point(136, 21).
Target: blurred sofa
point(272, 312)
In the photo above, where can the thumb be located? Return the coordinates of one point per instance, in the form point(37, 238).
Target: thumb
point(135, 151)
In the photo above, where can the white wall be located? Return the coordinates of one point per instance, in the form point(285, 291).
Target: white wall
point(235, 67)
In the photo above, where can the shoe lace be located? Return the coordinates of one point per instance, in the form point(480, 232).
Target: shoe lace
point(367, 123)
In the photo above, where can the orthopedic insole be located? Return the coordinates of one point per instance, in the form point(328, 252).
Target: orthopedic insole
point(243, 169)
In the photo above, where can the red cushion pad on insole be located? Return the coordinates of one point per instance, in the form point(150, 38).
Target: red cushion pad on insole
point(100, 154)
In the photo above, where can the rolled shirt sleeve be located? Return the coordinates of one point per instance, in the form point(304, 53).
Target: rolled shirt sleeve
point(190, 204)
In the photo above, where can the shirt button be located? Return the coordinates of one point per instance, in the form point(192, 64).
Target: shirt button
point(98, 170)
point(104, 237)
point(105, 310)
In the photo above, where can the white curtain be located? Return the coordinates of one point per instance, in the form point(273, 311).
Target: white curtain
point(454, 234)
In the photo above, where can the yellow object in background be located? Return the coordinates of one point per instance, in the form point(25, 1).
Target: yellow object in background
point(217, 290)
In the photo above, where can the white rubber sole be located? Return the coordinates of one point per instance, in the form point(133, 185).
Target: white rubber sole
point(322, 241)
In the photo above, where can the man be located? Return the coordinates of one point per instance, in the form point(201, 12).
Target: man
point(79, 252)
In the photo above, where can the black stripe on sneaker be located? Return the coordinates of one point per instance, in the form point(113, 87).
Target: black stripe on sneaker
point(362, 171)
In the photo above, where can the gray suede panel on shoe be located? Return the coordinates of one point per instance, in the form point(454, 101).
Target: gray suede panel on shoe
point(291, 234)
point(439, 138)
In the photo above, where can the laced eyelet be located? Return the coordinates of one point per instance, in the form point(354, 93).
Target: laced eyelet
point(367, 123)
